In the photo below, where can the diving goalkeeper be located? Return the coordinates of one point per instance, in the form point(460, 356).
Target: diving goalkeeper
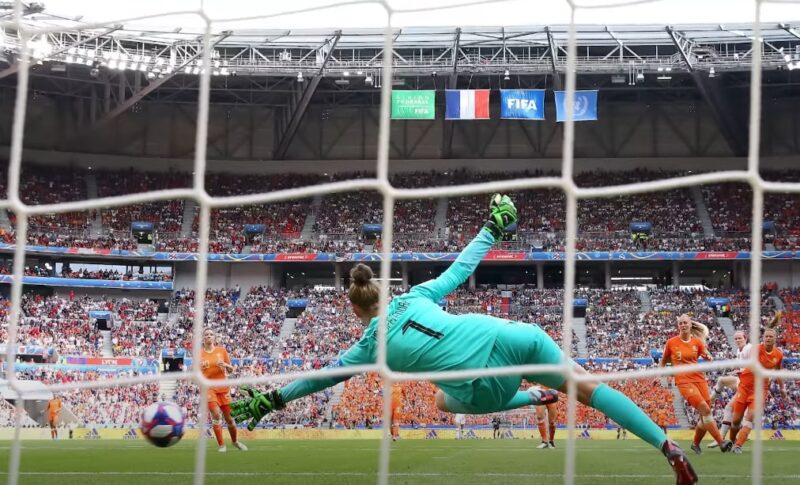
point(422, 337)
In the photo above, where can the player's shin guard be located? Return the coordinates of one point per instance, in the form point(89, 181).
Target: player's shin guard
point(543, 431)
point(726, 426)
point(711, 427)
point(622, 410)
point(741, 437)
point(699, 433)
point(217, 427)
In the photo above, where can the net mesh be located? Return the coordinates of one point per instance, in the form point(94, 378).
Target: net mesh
point(390, 194)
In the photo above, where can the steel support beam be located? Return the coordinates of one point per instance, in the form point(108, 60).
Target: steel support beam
point(285, 131)
point(14, 68)
point(452, 83)
point(557, 84)
point(140, 94)
point(732, 127)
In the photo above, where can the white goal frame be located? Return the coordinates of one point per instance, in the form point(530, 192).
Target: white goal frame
point(390, 194)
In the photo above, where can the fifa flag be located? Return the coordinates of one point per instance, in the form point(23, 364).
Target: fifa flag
point(466, 104)
point(522, 104)
point(584, 109)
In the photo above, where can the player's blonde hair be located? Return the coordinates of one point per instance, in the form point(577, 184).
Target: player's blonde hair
point(699, 330)
point(363, 292)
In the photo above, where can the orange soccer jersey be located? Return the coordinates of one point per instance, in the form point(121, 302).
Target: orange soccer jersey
point(680, 352)
point(53, 408)
point(210, 369)
point(746, 393)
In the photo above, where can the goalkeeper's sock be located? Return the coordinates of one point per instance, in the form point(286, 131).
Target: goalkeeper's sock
point(623, 411)
point(233, 432)
point(218, 434)
point(552, 431)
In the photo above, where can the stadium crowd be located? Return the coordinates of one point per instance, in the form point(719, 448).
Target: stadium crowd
point(603, 223)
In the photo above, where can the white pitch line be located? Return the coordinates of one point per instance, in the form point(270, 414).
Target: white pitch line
point(398, 474)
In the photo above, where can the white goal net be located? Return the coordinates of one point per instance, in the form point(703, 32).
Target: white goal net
point(390, 195)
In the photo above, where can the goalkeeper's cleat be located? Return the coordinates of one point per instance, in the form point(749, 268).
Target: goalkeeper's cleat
point(696, 448)
point(543, 446)
point(552, 444)
point(241, 446)
point(713, 445)
point(737, 450)
point(540, 397)
point(222, 449)
point(684, 473)
point(726, 446)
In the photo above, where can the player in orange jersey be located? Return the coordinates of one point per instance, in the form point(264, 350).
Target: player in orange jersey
point(53, 410)
point(770, 357)
point(546, 417)
point(216, 364)
point(397, 409)
point(685, 349)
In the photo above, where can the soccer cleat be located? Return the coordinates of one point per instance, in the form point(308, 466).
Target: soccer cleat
point(726, 446)
point(543, 446)
point(697, 449)
point(737, 450)
point(713, 445)
point(241, 446)
point(552, 444)
point(222, 449)
point(684, 473)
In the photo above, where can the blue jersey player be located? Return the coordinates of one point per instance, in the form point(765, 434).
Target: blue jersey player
point(422, 337)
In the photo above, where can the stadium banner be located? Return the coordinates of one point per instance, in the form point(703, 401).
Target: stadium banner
point(641, 227)
point(132, 433)
point(584, 108)
point(522, 104)
point(413, 105)
point(85, 283)
point(769, 226)
point(581, 302)
point(27, 350)
point(372, 228)
point(173, 353)
point(406, 256)
point(466, 104)
point(297, 302)
point(141, 226)
point(255, 228)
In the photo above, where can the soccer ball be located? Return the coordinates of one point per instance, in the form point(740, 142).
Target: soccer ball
point(163, 423)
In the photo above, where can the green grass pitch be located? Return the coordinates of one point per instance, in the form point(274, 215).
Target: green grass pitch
point(334, 462)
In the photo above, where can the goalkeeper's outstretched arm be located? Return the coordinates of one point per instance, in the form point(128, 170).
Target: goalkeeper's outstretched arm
point(259, 405)
point(503, 214)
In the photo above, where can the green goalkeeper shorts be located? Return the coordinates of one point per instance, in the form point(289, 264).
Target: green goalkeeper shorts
point(516, 344)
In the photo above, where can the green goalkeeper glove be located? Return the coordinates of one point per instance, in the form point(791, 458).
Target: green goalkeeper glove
point(256, 406)
point(503, 215)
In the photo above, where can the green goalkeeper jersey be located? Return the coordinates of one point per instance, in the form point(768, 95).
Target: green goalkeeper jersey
point(421, 336)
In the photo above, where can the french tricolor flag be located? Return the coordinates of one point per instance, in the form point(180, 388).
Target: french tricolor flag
point(467, 104)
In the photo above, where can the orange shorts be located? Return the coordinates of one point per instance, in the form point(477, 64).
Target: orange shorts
point(52, 418)
point(220, 396)
point(695, 393)
point(746, 399)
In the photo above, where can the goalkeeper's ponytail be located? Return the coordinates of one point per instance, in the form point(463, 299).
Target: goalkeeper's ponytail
point(363, 291)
